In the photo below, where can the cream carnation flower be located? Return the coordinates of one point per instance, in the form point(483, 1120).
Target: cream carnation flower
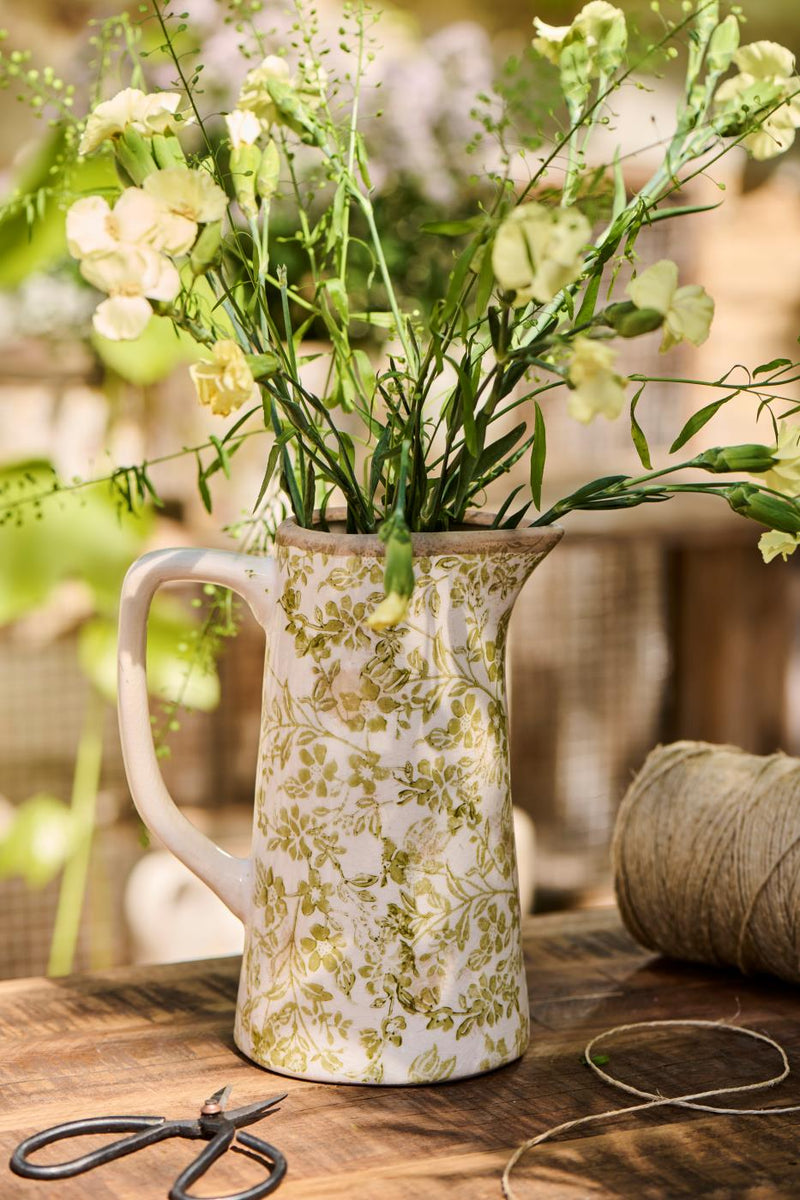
point(226, 382)
point(784, 476)
point(597, 389)
point(777, 543)
point(599, 24)
point(187, 197)
point(687, 311)
point(391, 611)
point(254, 96)
point(147, 113)
point(244, 128)
point(765, 68)
point(93, 226)
point(538, 251)
point(132, 276)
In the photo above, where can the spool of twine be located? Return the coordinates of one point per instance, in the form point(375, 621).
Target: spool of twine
point(706, 857)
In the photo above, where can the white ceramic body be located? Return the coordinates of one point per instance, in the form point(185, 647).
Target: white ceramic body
point(380, 899)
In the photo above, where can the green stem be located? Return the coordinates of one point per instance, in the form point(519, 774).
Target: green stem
point(72, 893)
point(366, 208)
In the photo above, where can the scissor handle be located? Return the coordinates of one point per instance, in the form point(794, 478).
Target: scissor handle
point(146, 1131)
point(270, 1156)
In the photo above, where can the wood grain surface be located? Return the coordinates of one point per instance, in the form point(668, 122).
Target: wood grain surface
point(158, 1040)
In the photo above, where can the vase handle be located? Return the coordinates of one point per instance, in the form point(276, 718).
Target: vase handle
point(254, 579)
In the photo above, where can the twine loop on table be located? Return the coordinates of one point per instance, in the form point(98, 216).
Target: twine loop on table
point(707, 857)
point(654, 1099)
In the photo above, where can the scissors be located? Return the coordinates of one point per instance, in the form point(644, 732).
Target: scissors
point(214, 1125)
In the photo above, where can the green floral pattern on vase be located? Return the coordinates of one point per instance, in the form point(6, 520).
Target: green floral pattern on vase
point(384, 945)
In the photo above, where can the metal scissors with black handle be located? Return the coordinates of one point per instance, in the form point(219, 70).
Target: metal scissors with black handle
point(214, 1125)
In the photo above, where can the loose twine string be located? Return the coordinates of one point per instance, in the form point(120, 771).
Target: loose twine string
point(654, 1099)
point(706, 860)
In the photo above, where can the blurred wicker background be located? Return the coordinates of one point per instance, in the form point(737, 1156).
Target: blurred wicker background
point(645, 626)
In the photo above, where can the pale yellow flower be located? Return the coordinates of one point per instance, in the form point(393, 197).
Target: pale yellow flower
point(785, 475)
point(391, 611)
point(597, 388)
point(244, 128)
point(132, 276)
point(538, 251)
point(188, 197)
point(550, 40)
point(766, 69)
point(599, 24)
point(777, 543)
point(255, 96)
point(146, 113)
point(226, 382)
point(687, 311)
point(93, 226)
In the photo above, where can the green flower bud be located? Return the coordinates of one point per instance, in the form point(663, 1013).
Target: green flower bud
point(751, 458)
point(630, 321)
point(398, 575)
point(292, 111)
point(135, 155)
point(262, 365)
point(244, 163)
point(773, 511)
point(167, 151)
point(205, 252)
point(399, 569)
point(269, 172)
point(723, 45)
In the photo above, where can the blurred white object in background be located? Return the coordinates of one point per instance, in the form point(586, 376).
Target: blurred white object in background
point(525, 837)
point(173, 917)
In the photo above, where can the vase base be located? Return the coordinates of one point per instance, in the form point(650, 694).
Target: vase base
point(321, 1076)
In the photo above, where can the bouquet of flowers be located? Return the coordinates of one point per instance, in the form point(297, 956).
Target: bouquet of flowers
point(529, 317)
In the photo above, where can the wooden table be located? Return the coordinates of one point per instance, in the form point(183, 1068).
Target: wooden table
point(158, 1040)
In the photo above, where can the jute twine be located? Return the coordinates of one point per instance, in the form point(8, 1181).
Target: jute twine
point(707, 857)
point(653, 1099)
point(707, 868)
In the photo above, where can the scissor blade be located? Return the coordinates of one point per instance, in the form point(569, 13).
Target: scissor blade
point(253, 1112)
point(220, 1097)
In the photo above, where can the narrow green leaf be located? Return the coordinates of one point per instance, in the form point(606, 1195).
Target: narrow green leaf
point(538, 455)
point(589, 302)
point(338, 295)
point(485, 287)
point(513, 521)
point(457, 277)
point(224, 459)
point(378, 456)
point(272, 463)
point(453, 228)
point(597, 485)
point(772, 366)
point(504, 507)
point(363, 161)
point(337, 214)
point(202, 485)
point(497, 450)
point(366, 374)
point(466, 393)
point(620, 198)
point(637, 434)
point(309, 491)
point(685, 210)
point(696, 423)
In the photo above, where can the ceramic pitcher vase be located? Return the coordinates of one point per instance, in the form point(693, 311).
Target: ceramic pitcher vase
point(380, 900)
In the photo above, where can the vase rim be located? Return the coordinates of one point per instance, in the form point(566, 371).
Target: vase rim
point(476, 537)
